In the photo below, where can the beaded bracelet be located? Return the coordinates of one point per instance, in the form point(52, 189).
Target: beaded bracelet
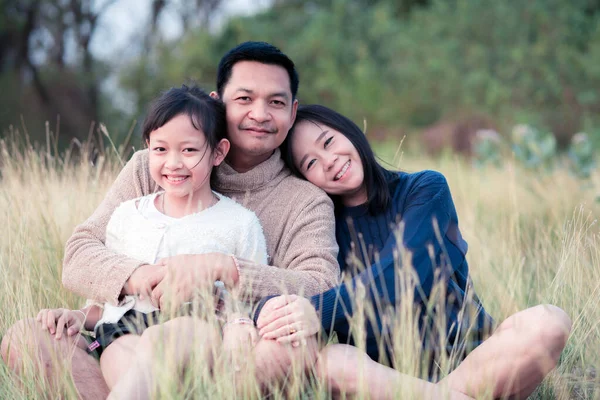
point(241, 321)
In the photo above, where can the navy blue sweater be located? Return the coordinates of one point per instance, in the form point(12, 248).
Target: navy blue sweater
point(422, 203)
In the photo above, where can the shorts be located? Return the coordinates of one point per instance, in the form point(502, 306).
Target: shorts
point(133, 322)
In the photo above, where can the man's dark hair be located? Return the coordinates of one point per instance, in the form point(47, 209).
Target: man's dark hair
point(376, 177)
point(261, 52)
point(206, 113)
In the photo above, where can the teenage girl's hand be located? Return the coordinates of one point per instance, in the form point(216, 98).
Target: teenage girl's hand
point(56, 320)
point(288, 319)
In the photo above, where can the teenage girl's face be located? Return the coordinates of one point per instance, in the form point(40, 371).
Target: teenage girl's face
point(180, 159)
point(330, 161)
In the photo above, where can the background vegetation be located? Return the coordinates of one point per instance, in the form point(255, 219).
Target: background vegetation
point(533, 239)
point(404, 66)
point(510, 84)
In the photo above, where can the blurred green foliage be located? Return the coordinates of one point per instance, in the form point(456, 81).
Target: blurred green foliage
point(515, 61)
point(401, 65)
point(536, 150)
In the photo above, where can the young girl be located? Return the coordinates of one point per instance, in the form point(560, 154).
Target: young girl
point(185, 134)
point(378, 214)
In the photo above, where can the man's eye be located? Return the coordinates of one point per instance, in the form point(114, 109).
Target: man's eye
point(310, 164)
point(327, 142)
point(279, 103)
point(243, 98)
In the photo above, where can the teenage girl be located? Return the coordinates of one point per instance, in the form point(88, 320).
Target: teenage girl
point(380, 216)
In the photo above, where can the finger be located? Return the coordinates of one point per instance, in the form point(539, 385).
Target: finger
point(296, 337)
point(253, 336)
point(157, 294)
point(60, 326)
point(41, 317)
point(72, 331)
point(271, 305)
point(283, 320)
point(285, 330)
point(155, 279)
point(51, 321)
point(274, 315)
point(162, 261)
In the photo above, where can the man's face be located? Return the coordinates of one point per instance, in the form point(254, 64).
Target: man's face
point(260, 111)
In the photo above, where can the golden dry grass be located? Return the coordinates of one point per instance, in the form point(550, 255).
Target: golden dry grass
point(533, 239)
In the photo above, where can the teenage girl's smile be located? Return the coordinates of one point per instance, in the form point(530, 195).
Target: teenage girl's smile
point(342, 174)
point(330, 161)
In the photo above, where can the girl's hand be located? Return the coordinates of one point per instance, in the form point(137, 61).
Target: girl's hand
point(238, 341)
point(58, 319)
point(183, 274)
point(288, 319)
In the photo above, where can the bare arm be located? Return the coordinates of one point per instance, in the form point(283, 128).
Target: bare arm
point(90, 269)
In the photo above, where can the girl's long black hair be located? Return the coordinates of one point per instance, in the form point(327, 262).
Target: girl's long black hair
point(376, 177)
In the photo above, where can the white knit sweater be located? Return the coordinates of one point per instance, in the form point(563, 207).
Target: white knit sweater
point(136, 229)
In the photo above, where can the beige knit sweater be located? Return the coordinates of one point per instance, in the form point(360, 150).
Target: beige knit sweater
point(297, 220)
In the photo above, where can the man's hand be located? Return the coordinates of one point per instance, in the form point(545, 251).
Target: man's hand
point(143, 280)
point(185, 273)
point(288, 319)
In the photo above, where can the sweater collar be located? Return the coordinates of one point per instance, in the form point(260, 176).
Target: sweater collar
point(226, 178)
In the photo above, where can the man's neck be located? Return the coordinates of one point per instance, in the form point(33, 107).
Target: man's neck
point(243, 162)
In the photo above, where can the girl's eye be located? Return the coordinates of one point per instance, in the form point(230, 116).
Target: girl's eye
point(327, 142)
point(310, 164)
point(189, 150)
point(159, 149)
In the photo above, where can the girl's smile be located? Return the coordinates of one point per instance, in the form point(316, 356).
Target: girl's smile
point(181, 162)
point(330, 161)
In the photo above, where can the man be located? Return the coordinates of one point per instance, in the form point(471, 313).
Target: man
point(258, 85)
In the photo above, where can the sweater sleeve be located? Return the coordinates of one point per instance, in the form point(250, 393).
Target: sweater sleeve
point(428, 213)
point(309, 263)
point(89, 268)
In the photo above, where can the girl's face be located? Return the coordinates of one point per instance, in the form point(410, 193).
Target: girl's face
point(180, 159)
point(330, 161)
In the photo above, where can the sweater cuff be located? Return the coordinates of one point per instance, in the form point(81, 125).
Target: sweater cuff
point(118, 277)
point(259, 306)
point(248, 275)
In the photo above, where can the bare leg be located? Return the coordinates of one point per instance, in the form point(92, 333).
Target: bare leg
point(26, 342)
point(349, 371)
point(517, 357)
point(178, 338)
point(117, 358)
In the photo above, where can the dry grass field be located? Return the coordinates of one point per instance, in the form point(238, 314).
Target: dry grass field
point(533, 238)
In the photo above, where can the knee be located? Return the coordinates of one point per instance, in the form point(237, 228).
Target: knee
point(551, 330)
point(554, 329)
point(339, 366)
point(17, 339)
point(154, 338)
